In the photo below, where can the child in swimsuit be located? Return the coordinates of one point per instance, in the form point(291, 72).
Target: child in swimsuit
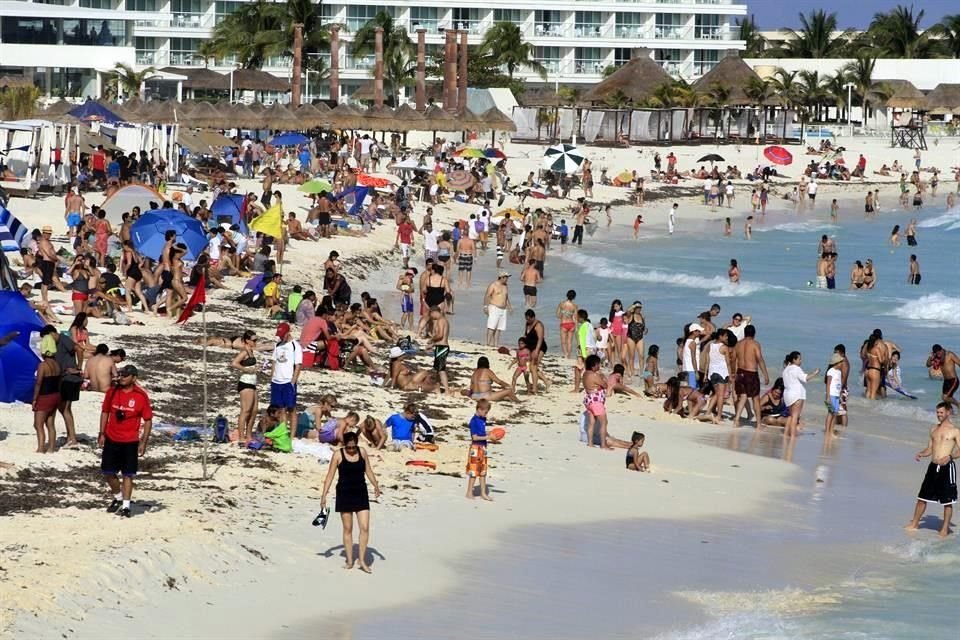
point(637, 460)
point(522, 361)
point(604, 347)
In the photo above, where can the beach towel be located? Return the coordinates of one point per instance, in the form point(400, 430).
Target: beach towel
point(322, 451)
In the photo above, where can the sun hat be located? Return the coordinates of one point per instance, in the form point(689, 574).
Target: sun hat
point(836, 359)
point(396, 352)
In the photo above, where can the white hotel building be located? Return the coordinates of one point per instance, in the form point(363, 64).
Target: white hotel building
point(64, 45)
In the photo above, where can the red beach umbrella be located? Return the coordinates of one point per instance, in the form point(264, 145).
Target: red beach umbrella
point(778, 155)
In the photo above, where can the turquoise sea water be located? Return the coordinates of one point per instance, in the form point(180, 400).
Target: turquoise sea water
point(856, 495)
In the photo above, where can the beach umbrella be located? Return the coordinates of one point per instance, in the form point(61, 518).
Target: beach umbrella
point(469, 152)
point(317, 185)
point(778, 155)
point(229, 206)
point(18, 361)
point(565, 158)
point(711, 157)
point(16, 229)
point(490, 152)
point(289, 139)
point(460, 180)
point(93, 111)
point(7, 241)
point(147, 233)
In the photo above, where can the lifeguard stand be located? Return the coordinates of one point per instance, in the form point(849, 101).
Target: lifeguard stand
point(910, 135)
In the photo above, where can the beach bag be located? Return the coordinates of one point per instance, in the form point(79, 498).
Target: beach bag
point(221, 431)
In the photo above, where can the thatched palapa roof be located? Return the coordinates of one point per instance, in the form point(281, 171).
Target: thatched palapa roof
point(637, 79)
point(13, 82)
point(257, 80)
point(311, 116)
point(202, 78)
point(733, 74)
point(409, 118)
point(498, 120)
point(902, 95)
point(380, 119)
point(343, 116)
point(470, 121)
point(945, 98)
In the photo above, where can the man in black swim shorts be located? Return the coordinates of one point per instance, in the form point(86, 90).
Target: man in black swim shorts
point(440, 336)
point(940, 481)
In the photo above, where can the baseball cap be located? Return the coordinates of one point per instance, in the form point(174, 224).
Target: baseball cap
point(396, 352)
point(283, 329)
point(503, 274)
point(128, 370)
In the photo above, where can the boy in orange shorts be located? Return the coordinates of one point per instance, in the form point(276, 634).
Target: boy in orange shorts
point(477, 459)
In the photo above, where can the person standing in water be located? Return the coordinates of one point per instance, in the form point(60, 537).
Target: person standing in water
point(913, 275)
point(948, 362)
point(672, 218)
point(567, 314)
point(734, 272)
point(940, 481)
point(748, 228)
point(911, 233)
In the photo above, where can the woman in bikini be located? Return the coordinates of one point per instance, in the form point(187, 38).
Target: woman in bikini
point(482, 381)
point(406, 378)
point(856, 275)
point(618, 331)
point(634, 331)
point(135, 275)
point(567, 313)
point(734, 272)
point(246, 363)
point(872, 371)
point(869, 275)
point(81, 338)
point(895, 236)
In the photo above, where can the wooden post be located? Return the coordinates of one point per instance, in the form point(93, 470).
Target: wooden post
point(295, 86)
point(378, 67)
point(421, 88)
point(335, 63)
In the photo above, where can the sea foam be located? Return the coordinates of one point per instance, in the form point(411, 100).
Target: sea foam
point(717, 286)
point(933, 309)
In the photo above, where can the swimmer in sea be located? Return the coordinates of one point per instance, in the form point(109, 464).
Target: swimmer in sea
point(895, 236)
point(734, 272)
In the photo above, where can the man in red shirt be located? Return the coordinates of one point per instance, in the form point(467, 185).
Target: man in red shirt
point(98, 165)
point(125, 407)
point(405, 231)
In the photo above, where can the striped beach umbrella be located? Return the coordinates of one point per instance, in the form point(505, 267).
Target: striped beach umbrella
point(565, 158)
point(13, 231)
point(7, 241)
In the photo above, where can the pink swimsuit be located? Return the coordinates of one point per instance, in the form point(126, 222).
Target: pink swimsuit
point(596, 401)
point(617, 327)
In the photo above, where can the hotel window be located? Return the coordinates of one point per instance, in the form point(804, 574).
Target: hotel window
point(467, 19)
point(622, 55)
point(549, 57)
point(141, 5)
point(97, 4)
point(631, 25)
point(516, 16)
point(708, 26)
point(183, 51)
point(670, 25)
point(669, 59)
point(549, 23)
point(424, 18)
point(30, 31)
point(357, 16)
point(589, 60)
point(223, 8)
point(102, 33)
point(704, 61)
point(588, 23)
point(146, 50)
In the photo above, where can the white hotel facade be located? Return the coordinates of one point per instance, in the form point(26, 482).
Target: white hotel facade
point(66, 45)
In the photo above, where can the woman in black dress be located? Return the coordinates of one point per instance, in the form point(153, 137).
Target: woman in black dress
point(352, 464)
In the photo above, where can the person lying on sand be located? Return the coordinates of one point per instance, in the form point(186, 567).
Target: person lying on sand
point(482, 381)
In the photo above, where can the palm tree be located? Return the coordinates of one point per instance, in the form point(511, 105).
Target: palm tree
point(860, 73)
point(786, 86)
point(249, 33)
point(18, 102)
point(399, 70)
point(398, 50)
point(948, 30)
point(759, 91)
point(618, 101)
point(813, 91)
point(816, 38)
point(836, 88)
point(125, 78)
point(504, 43)
point(750, 33)
point(898, 34)
point(571, 98)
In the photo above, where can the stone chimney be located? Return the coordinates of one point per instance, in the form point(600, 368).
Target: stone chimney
point(421, 86)
point(335, 63)
point(462, 79)
point(450, 70)
point(378, 67)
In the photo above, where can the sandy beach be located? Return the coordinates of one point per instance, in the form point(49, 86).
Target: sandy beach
point(236, 556)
